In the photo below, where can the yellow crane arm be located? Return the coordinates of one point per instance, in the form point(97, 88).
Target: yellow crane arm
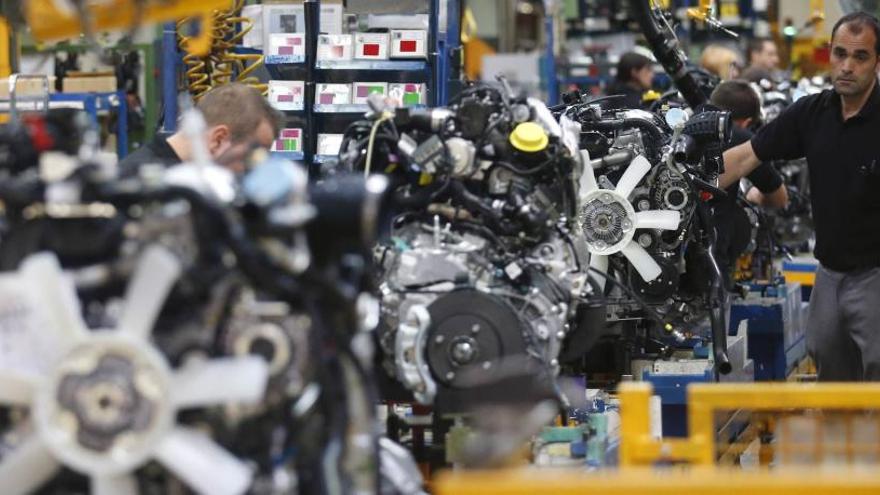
point(51, 20)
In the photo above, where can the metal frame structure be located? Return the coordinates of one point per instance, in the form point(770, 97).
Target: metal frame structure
point(642, 481)
point(638, 447)
point(91, 103)
point(641, 453)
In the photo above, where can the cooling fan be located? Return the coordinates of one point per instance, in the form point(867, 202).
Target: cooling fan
point(109, 404)
point(609, 221)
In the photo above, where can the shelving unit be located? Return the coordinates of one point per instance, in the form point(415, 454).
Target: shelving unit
point(316, 118)
point(440, 74)
point(93, 104)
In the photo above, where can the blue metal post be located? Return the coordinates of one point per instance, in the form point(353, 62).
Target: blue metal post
point(550, 60)
point(90, 105)
point(438, 87)
point(121, 125)
point(169, 76)
point(453, 44)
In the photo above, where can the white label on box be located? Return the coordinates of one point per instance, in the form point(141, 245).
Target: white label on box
point(361, 91)
point(287, 44)
point(329, 144)
point(371, 46)
point(289, 140)
point(408, 94)
point(290, 18)
point(333, 94)
point(334, 47)
point(409, 44)
point(286, 95)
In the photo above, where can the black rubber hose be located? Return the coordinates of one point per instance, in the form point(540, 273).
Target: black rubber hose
point(475, 204)
point(717, 294)
point(666, 49)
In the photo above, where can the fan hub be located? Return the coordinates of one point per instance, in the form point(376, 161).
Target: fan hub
point(607, 220)
point(106, 404)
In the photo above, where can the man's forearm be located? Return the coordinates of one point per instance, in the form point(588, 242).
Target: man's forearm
point(775, 199)
point(739, 161)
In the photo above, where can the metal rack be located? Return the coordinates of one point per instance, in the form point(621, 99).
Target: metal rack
point(315, 118)
point(440, 73)
point(91, 103)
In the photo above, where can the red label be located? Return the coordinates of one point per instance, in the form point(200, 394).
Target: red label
point(408, 46)
point(371, 49)
point(706, 196)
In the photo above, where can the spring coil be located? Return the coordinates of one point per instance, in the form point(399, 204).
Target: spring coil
point(222, 65)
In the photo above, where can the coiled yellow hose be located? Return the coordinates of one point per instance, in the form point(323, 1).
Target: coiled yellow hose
point(222, 65)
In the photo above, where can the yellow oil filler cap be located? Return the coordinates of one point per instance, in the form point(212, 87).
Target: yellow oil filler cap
point(651, 95)
point(529, 137)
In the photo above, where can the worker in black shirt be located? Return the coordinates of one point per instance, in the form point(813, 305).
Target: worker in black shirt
point(838, 131)
point(237, 116)
point(731, 222)
point(635, 75)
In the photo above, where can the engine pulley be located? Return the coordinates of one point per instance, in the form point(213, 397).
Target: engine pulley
point(471, 330)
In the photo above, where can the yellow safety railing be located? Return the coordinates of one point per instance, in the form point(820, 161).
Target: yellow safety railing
point(806, 419)
point(825, 402)
point(642, 481)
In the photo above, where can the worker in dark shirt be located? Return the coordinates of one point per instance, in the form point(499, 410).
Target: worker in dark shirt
point(838, 131)
point(237, 117)
point(731, 223)
point(763, 58)
point(635, 74)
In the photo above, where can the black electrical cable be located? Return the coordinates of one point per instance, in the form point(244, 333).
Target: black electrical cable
point(649, 310)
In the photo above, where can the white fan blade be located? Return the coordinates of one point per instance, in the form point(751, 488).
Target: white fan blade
point(658, 219)
point(587, 182)
point(600, 262)
point(217, 381)
point(56, 297)
point(27, 467)
point(632, 175)
point(155, 275)
point(642, 261)
point(16, 388)
point(114, 485)
point(202, 464)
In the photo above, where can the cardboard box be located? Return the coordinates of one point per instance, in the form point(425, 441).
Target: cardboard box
point(371, 46)
point(333, 94)
point(408, 94)
point(289, 139)
point(360, 91)
point(287, 44)
point(409, 43)
point(287, 95)
point(29, 88)
point(99, 84)
point(334, 47)
point(329, 144)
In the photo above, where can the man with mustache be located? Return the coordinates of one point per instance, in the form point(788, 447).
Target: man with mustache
point(838, 131)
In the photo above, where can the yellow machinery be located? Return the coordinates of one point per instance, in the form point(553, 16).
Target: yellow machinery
point(51, 20)
point(705, 13)
point(220, 63)
point(211, 60)
point(825, 440)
